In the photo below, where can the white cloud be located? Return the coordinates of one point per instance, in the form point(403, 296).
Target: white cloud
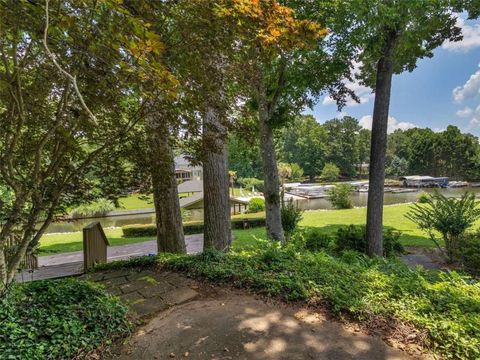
point(471, 37)
point(466, 112)
point(393, 124)
point(468, 90)
point(364, 93)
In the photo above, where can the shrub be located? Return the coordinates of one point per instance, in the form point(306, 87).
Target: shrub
point(316, 240)
point(249, 183)
point(59, 319)
point(470, 253)
point(256, 205)
point(291, 216)
point(99, 207)
point(354, 237)
point(339, 196)
point(330, 172)
point(423, 197)
point(189, 228)
point(449, 216)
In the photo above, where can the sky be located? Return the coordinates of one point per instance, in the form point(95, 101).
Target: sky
point(441, 91)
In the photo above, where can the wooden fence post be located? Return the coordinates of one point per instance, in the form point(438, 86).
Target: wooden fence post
point(94, 245)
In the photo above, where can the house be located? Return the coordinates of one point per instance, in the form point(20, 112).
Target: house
point(185, 171)
point(195, 202)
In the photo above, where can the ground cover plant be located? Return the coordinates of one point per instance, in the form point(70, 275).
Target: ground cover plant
point(58, 319)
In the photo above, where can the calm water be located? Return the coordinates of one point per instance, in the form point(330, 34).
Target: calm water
point(359, 199)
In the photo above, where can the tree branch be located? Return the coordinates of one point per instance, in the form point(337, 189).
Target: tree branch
point(72, 78)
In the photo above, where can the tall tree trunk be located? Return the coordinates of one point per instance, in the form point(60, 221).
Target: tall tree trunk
point(378, 149)
point(170, 237)
point(3, 269)
point(270, 172)
point(217, 229)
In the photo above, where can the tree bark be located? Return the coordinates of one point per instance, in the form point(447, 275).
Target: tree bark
point(378, 149)
point(170, 237)
point(271, 181)
point(217, 225)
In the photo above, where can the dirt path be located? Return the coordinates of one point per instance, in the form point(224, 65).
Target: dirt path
point(231, 325)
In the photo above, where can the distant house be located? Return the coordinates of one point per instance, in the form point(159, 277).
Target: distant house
point(185, 171)
point(194, 202)
point(424, 181)
point(190, 187)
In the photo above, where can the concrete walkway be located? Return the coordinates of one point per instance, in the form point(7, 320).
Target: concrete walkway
point(71, 264)
point(194, 245)
point(232, 325)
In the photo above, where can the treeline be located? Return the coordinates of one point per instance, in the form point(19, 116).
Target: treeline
point(344, 143)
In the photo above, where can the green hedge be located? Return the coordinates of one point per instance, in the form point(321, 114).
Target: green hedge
point(189, 228)
point(58, 319)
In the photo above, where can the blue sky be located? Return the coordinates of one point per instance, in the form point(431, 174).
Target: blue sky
point(441, 91)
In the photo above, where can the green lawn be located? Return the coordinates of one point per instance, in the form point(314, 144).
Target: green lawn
point(328, 220)
point(136, 202)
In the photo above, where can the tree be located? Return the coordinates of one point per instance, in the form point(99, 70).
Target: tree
point(285, 68)
point(392, 35)
point(342, 140)
point(398, 167)
point(364, 139)
point(304, 142)
point(64, 101)
point(330, 172)
point(244, 156)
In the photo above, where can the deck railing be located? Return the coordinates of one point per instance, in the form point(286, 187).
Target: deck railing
point(29, 262)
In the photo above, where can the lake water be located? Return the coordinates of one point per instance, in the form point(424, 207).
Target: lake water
point(359, 200)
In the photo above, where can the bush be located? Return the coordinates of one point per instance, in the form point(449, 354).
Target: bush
point(354, 237)
point(448, 216)
point(249, 183)
point(330, 172)
point(291, 216)
point(423, 197)
point(99, 207)
point(470, 253)
point(58, 319)
point(339, 196)
point(256, 205)
point(316, 240)
point(189, 228)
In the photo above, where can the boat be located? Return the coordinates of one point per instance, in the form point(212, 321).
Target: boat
point(457, 184)
point(401, 191)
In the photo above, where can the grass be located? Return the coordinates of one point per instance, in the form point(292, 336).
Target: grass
point(327, 220)
point(136, 202)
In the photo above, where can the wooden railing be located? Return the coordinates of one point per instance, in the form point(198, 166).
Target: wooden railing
point(29, 262)
point(94, 245)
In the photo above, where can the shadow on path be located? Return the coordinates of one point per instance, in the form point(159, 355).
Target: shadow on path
point(242, 327)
